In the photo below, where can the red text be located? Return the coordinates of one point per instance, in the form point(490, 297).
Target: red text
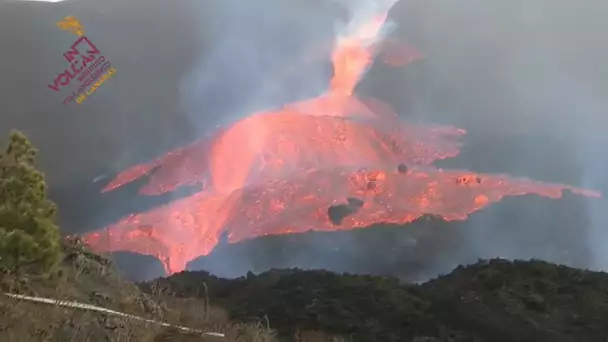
point(87, 56)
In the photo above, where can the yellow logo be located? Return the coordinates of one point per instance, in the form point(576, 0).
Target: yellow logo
point(71, 24)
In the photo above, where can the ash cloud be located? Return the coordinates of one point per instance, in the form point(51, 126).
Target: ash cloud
point(525, 75)
point(267, 55)
point(264, 55)
point(526, 78)
point(595, 176)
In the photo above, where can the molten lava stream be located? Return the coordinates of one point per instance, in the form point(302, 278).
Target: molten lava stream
point(189, 167)
point(352, 55)
point(190, 227)
point(389, 196)
point(281, 143)
point(174, 233)
point(285, 171)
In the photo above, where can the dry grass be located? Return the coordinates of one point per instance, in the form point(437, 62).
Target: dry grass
point(91, 279)
point(197, 314)
point(25, 321)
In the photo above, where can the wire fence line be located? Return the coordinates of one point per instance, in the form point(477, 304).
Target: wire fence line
point(89, 307)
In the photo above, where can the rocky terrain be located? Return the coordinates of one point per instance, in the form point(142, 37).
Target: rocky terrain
point(493, 300)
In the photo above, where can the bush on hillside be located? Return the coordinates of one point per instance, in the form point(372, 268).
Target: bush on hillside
point(29, 239)
point(494, 300)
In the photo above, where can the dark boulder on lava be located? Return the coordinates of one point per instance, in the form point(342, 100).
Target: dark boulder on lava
point(402, 168)
point(338, 212)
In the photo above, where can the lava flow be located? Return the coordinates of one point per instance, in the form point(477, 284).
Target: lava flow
point(331, 163)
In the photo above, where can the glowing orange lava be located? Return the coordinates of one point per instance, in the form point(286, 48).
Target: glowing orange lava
point(278, 172)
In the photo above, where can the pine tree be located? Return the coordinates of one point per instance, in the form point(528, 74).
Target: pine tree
point(29, 239)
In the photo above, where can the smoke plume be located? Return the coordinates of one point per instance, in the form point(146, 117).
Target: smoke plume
point(526, 79)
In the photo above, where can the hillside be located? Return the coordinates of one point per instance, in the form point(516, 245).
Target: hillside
point(90, 279)
point(492, 300)
point(53, 288)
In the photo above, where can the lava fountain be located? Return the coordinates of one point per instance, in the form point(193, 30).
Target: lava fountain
point(291, 170)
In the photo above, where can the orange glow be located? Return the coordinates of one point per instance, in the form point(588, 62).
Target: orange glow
point(277, 172)
point(352, 56)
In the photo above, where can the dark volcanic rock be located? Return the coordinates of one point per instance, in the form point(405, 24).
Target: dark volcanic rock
point(492, 300)
point(338, 212)
point(402, 168)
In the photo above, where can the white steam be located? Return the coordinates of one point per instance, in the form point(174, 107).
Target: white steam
point(270, 66)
